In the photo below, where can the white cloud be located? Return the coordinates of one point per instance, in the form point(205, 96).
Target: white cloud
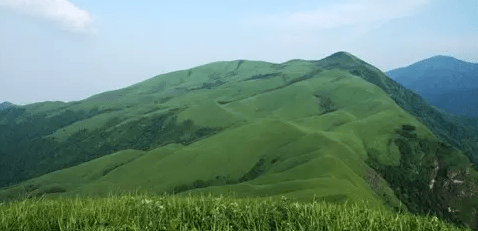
point(352, 13)
point(61, 11)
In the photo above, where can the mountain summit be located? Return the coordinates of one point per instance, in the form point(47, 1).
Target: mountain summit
point(445, 62)
point(438, 69)
point(446, 82)
point(334, 130)
point(5, 105)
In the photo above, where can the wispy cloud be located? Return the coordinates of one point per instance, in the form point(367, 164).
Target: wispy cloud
point(351, 13)
point(60, 11)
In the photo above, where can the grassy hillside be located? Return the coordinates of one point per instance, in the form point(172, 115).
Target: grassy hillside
point(333, 130)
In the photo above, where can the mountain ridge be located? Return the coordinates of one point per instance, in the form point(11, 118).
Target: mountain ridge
point(336, 129)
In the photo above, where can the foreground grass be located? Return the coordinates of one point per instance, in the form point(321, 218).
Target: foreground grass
point(148, 212)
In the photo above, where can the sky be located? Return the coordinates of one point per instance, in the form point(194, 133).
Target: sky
point(68, 50)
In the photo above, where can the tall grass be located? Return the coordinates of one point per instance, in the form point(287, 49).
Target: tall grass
point(135, 211)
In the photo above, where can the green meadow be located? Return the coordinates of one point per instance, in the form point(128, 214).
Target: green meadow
point(335, 137)
point(136, 211)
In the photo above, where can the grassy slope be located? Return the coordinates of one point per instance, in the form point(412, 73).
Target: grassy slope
point(295, 129)
point(313, 154)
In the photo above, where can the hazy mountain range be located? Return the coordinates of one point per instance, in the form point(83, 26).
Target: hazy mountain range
point(334, 129)
point(5, 105)
point(446, 82)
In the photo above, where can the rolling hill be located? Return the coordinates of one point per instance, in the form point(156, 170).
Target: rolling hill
point(336, 129)
point(446, 82)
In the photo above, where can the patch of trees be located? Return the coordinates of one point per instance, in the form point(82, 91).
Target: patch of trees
point(431, 179)
point(263, 76)
point(22, 139)
point(39, 155)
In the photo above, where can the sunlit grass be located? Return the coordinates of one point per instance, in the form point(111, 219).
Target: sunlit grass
point(135, 211)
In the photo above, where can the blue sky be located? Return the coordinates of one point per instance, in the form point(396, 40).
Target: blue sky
point(69, 50)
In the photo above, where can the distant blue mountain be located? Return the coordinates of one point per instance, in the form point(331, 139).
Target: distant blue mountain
point(446, 82)
point(5, 105)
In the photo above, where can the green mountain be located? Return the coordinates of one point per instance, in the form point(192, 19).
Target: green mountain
point(446, 82)
point(336, 129)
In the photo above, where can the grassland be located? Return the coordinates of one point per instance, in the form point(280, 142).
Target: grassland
point(138, 211)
